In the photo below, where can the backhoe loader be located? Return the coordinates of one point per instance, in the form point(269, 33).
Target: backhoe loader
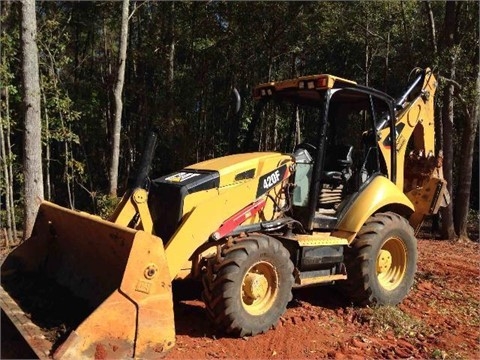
point(342, 208)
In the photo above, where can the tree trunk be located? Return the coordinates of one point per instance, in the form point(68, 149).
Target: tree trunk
point(10, 163)
point(170, 59)
point(367, 50)
point(8, 205)
point(448, 230)
point(431, 23)
point(48, 184)
point(464, 186)
point(117, 122)
point(67, 161)
point(274, 146)
point(32, 155)
point(407, 35)
point(387, 58)
point(7, 147)
point(434, 48)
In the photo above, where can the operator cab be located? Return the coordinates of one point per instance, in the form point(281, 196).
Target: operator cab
point(335, 143)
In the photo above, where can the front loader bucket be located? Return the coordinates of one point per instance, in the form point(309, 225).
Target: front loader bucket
point(82, 287)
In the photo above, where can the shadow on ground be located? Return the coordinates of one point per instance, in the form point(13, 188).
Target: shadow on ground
point(191, 318)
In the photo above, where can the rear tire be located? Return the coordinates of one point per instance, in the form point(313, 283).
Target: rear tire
point(382, 261)
point(247, 292)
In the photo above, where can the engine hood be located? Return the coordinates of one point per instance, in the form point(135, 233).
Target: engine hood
point(240, 167)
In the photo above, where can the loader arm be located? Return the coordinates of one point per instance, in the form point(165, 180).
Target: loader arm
point(132, 211)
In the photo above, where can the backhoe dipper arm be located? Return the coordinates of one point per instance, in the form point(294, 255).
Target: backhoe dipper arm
point(419, 174)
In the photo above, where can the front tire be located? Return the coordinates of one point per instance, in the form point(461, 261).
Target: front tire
point(249, 289)
point(382, 261)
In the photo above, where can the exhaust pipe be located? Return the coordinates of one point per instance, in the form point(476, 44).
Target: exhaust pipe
point(147, 159)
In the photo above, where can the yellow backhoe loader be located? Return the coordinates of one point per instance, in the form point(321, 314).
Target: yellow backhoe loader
point(342, 208)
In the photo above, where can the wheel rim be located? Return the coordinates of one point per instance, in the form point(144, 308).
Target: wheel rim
point(391, 263)
point(259, 288)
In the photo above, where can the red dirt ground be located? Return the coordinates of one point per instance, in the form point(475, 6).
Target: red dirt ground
point(440, 319)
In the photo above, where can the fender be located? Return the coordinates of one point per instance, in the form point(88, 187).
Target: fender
point(379, 193)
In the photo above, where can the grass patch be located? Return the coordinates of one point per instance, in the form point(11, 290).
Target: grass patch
point(391, 318)
point(438, 354)
point(460, 305)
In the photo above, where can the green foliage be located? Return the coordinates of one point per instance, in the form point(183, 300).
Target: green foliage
point(439, 354)
point(18, 215)
point(105, 205)
point(391, 318)
point(59, 114)
point(10, 97)
point(218, 46)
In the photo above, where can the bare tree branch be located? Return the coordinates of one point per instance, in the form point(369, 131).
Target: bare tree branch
point(457, 94)
point(431, 22)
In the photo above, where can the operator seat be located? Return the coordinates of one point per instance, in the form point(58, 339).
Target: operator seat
point(338, 164)
point(337, 171)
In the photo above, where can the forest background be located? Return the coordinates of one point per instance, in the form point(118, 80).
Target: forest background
point(177, 68)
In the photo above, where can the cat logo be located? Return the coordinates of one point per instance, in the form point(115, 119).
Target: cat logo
point(181, 177)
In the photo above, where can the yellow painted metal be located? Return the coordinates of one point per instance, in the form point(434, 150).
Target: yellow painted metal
point(120, 272)
point(131, 204)
point(320, 239)
point(129, 286)
point(259, 288)
point(140, 197)
point(379, 193)
point(318, 279)
point(254, 286)
point(384, 261)
point(417, 119)
point(202, 218)
point(349, 235)
point(230, 166)
point(205, 218)
point(391, 263)
point(192, 200)
point(330, 82)
point(427, 200)
point(124, 211)
point(427, 190)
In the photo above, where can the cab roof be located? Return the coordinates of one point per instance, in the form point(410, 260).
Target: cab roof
point(310, 88)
